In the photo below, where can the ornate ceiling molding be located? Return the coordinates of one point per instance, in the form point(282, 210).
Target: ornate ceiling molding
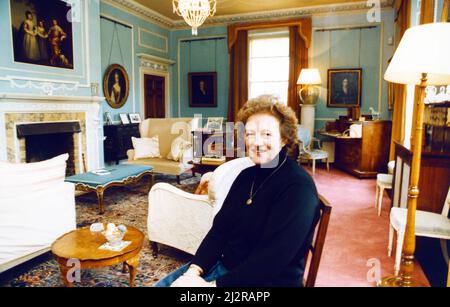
point(141, 10)
point(160, 19)
point(292, 13)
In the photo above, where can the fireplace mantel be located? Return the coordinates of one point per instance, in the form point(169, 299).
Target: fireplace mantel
point(19, 108)
point(21, 97)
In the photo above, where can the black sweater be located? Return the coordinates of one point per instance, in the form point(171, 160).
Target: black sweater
point(265, 243)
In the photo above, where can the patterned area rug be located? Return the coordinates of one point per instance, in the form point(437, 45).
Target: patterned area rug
point(124, 205)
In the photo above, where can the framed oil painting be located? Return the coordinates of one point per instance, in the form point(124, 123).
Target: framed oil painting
point(344, 88)
point(116, 86)
point(202, 89)
point(42, 32)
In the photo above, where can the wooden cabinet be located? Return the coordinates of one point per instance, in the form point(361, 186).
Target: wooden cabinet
point(118, 141)
point(364, 156)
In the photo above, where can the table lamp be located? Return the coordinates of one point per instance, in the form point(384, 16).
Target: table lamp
point(308, 78)
point(422, 58)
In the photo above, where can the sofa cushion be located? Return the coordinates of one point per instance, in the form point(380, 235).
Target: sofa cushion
point(15, 178)
point(146, 147)
point(179, 146)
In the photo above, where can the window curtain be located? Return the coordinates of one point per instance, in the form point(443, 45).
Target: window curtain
point(426, 16)
point(238, 86)
point(398, 91)
point(300, 40)
point(426, 11)
point(445, 11)
point(298, 59)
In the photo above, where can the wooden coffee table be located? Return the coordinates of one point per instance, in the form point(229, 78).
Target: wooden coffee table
point(82, 245)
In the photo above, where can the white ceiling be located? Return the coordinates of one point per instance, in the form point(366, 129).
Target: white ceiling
point(233, 7)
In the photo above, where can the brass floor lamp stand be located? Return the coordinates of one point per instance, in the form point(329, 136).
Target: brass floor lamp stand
point(405, 278)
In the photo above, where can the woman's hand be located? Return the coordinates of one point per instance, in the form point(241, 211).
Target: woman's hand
point(192, 278)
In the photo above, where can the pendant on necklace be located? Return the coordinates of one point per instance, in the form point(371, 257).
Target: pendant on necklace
point(249, 201)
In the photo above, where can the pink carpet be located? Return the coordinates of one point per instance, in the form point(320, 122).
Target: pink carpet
point(356, 234)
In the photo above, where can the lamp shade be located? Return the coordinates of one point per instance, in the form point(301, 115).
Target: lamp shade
point(309, 76)
point(422, 49)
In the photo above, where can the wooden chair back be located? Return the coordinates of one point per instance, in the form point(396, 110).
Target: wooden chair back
point(315, 250)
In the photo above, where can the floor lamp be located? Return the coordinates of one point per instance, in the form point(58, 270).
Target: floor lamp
point(422, 58)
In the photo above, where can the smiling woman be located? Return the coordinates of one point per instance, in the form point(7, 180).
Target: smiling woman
point(261, 235)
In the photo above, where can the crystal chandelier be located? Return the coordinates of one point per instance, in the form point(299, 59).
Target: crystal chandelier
point(194, 12)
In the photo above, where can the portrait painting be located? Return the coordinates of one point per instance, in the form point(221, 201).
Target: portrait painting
point(344, 87)
point(202, 89)
point(116, 86)
point(42, 32)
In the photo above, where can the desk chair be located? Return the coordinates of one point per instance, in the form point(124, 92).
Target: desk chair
point(305, 153)
point(384, 181)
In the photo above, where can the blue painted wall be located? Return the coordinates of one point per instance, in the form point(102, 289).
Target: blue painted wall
point(134, 35)
point(86, 37)
point(93, 38)
point(353, 48)
point(206, 52)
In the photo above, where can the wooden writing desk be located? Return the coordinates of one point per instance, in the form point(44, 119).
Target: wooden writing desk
point(363, 157)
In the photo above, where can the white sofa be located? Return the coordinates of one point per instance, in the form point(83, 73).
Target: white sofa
point(36, 207)
point(180, 219)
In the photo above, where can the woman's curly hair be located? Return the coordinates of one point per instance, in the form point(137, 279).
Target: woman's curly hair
point(268, 104)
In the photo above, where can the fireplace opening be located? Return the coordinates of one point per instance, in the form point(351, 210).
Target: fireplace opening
point(46, 146)
point(47, 140)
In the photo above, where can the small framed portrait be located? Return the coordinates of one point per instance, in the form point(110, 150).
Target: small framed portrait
point(108, 118)
point(116, 86)
point(124, 118)
point(214, 124)
point(202, 89)
point(344, 88)
point(135, 118)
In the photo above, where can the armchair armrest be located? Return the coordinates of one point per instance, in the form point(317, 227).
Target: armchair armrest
point(130, 154)
point(177, 218)
point(173, 192)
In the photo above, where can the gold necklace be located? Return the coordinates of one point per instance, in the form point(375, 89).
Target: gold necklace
point(250, 199)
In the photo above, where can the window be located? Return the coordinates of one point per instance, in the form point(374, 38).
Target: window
point(269, 63)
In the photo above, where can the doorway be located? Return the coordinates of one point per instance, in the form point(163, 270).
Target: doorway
point(154, 96)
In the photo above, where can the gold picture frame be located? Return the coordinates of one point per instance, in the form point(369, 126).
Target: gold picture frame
point(116, 86)
point(344, 88)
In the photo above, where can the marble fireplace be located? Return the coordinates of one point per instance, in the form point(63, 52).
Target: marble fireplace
point(36, 127)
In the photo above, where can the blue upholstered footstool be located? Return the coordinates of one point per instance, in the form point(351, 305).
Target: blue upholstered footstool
point(117, 175)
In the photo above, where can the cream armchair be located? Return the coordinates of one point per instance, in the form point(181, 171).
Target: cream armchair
point(180, 219)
